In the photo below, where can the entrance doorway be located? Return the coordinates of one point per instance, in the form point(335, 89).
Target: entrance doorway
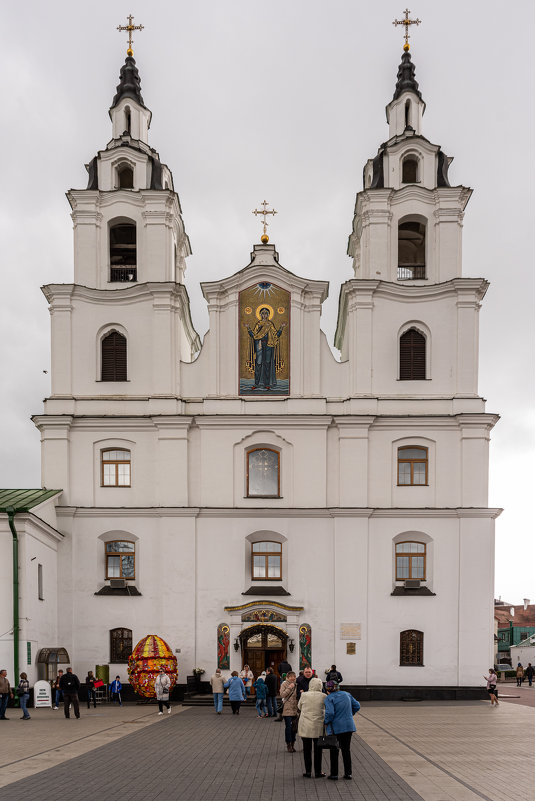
point(263, 646)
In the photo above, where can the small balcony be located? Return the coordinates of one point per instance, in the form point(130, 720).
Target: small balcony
point(127, 273)
point(411, 272)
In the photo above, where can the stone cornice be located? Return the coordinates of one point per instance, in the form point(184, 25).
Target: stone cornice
point(132, 293)
point(278, 512)
point(41, 525)
point(475, 287)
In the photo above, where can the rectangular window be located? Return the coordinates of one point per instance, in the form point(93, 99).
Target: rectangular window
point(263, 473)
point(410, 560)
point(412, 466)
point(120, 560)
point(266, 561)
point(40, 583)
point(115, 468)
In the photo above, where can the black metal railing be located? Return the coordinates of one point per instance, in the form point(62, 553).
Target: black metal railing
point(411, 273)
point(128, 273)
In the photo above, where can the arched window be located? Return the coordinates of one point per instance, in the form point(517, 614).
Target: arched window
point(123, 252)
point(127, 120)
point(411, 250)
point(120, 559)
point(412, 356)
point(115, 468)
point(120, 645)
point(411, 648)
point(125, 176)
point(409, 170)
point(407, 113)
point(410, 560)
point(266, 561)
point(113, 357)
point(412, 466)
point(263, 473)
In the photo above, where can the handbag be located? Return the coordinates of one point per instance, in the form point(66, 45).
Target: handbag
point(328, 741)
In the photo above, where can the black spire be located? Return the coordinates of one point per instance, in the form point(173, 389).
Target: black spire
point(129, 83)
point(406, 81)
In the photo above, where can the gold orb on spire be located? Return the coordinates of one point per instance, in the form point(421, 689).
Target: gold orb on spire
point(406, 47)
point(129, 52)
point(264, 239)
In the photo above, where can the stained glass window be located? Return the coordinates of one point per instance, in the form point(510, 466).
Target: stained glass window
point(263, 473)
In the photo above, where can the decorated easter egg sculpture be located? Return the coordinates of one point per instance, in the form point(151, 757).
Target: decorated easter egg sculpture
point(144, 664)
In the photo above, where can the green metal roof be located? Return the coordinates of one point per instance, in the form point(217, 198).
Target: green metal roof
point(22, 500)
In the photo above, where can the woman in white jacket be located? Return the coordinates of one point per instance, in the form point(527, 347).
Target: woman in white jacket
point(310, 727)
point(162, 685)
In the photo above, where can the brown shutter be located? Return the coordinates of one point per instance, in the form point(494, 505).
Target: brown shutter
point(412, 356)
point(113, 357)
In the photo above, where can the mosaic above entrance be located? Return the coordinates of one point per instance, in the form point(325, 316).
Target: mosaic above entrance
point(264, 340)
point(263, 616)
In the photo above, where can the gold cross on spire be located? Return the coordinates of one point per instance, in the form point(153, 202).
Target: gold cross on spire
point(130, 27)
point(263, 212)
point(406, 22)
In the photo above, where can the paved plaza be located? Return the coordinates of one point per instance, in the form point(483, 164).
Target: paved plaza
point(426, 751)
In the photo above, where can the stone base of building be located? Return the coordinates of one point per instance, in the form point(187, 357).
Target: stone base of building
point(397, 693)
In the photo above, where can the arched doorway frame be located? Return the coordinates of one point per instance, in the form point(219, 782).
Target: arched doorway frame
point(257, 658)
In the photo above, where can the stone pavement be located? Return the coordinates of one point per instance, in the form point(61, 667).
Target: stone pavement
point(404, 752)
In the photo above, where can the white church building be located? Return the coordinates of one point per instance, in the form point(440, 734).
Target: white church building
point(250, 498)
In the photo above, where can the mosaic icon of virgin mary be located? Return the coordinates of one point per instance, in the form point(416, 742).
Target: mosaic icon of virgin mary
point(264, 345)
point(265, 340)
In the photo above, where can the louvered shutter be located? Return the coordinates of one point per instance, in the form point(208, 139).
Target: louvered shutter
point(114, 357)
point(412, 356)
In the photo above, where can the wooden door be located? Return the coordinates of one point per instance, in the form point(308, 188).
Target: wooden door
point(254, 657)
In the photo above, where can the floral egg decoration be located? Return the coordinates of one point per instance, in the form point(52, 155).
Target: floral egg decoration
point(145, 661)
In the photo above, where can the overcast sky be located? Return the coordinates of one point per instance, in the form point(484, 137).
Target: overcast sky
point(282, 100)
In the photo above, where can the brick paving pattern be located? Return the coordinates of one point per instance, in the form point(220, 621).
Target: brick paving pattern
point(200, 756)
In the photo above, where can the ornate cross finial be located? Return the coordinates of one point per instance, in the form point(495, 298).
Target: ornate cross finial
point(406, 22)
point(130, 27)
point(263, 212)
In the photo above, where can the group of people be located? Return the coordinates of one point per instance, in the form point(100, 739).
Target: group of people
point(522, 674)
point(320, 713)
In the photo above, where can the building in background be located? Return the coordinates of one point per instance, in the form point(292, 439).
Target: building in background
point(254, 499)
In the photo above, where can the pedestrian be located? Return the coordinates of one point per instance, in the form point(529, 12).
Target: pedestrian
point(339, 710)
point(69, 685)
point(519, 674)
point(310, 726)
point(289, 709)
point(303, 681)
point(271, 698)
point(162, 685)
point(23, 691)
point(58, 695)
point(217, 681)
point(236, 692)
point(492, 690)
point(115, 691)
point(334, 675)
point(529, 673)
point(247, 677)
point(5, 693)
point(261, 695)
point(90, 689)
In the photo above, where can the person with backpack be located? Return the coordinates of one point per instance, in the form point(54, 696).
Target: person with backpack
point(261, 695)
point(334, 675)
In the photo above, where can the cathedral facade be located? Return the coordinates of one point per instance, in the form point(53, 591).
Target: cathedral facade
point(251, 498)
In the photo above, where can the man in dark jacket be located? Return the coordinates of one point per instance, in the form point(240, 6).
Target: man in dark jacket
point(69, 685)
point(334, 675)
point(271, 700)
point(529, 673)
point(304, 680)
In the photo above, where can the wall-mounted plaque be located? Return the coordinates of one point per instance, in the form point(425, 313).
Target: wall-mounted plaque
point(350, 631)
point(351, 648)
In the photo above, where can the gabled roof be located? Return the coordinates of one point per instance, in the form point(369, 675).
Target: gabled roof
point(521, 617)
point(22, 500)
